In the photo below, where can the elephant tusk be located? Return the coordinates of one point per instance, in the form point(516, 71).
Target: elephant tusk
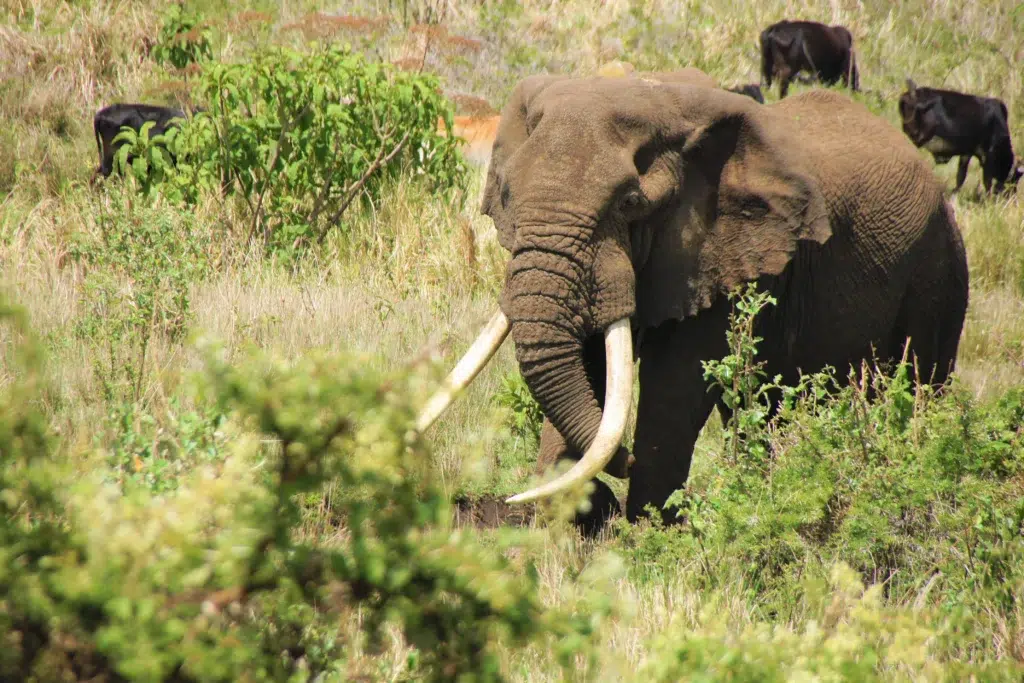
point(618, 399)
point(466, 370)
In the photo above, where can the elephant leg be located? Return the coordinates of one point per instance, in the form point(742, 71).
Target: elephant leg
point(951, 324)
point(552, 447)
point(603, 503)
point(675, 402)
point(930, 320)
point(961, 171)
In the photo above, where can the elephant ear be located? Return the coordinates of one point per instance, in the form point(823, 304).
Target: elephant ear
point(746, 199)
point(512, 133)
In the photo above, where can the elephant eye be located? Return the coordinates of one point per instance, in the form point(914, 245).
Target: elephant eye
point(631, 200)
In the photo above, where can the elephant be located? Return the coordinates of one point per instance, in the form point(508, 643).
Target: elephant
point(632, 207)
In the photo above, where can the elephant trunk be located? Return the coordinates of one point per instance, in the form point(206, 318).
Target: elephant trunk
point(549, 326)
point(550, 316)
point(608, 436)
point(553, 367)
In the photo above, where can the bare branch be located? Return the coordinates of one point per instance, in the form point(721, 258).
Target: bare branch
point(352, 191)
point(321, 200)
point(286, 126)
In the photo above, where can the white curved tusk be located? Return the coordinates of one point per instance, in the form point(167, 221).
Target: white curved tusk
point(618, 398)
point(465, 371)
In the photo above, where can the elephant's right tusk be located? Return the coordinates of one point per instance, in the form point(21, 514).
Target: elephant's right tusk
point(465, 370)
point(618, 398)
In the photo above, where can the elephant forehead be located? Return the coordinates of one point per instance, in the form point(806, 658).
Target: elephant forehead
point(602, 99)
point(566, 164)
point(622, 110)
point(570, 139)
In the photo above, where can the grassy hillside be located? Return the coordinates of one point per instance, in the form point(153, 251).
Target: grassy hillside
point(930, 516)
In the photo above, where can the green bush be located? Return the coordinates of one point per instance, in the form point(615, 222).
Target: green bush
point(152, 161)
point(156, 450)
point(525, 417)
point(742, 380)
point(184, 38)
point(215, 582)
point(302, 137)
point(918, 493)
point(140, 269)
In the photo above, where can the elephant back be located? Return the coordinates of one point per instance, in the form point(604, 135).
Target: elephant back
point(686, 76)
point(855, 153)
point(833, 125)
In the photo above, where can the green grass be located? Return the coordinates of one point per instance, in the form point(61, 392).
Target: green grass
point(414, 278)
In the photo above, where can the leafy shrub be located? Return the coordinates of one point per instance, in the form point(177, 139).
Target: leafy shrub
point(525, 416)
point(918, 493)
point(184, 38)
point(212, 581)
point(156, 451)
point(744, 391)
point(301, 137)
point(152, 157)
point(140, 269)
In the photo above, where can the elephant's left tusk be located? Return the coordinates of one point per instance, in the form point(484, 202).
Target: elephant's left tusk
point(618, 398)
point(466, 370)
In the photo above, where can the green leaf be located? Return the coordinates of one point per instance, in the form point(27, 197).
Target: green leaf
point(140, 167)
point(121, 158)
point(144, 132)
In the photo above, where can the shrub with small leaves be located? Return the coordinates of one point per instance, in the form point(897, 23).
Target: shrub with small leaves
point(214, 582)
point(155, 449)
point(140, 269)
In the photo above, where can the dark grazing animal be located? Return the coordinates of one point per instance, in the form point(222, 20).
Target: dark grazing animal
point(108, 123)
point(751, 90)
point(953, 124)
point(826, 52)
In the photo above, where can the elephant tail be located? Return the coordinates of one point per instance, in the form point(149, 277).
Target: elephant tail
point(954, 312)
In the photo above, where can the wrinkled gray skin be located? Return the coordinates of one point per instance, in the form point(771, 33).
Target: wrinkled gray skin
point(627, 198)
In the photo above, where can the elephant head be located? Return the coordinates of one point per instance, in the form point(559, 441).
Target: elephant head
point(625, 203)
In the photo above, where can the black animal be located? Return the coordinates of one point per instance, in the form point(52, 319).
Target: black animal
point(952, 124)
point(825, 52)
point(751, 90)
point(108, 122)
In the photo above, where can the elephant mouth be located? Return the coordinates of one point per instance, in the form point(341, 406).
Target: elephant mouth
point(618, 395)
